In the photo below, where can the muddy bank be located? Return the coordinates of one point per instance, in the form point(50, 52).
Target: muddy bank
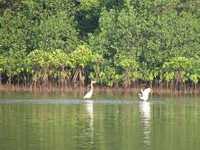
point(97, 89)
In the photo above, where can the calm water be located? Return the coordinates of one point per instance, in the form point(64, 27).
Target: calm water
point(109, 122)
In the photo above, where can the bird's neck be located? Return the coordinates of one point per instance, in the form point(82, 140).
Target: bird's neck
point(91, 86)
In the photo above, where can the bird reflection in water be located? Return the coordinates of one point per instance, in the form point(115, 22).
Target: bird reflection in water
point(146, 122)
point(90, 114)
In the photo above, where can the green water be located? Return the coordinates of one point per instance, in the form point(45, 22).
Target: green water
point(109, 122)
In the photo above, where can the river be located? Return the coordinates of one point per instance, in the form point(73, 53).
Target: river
point(107, 122)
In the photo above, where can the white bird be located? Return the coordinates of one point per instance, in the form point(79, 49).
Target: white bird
point(145, 94)
point(89, 94)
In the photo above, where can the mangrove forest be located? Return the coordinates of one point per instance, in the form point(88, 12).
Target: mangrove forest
point(117, 43)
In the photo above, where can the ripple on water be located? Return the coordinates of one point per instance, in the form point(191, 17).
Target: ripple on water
point(66, 101)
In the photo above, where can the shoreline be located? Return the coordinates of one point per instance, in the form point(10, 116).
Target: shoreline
point(82, 90)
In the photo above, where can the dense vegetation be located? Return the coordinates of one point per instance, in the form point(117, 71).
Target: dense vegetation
point(115, 42)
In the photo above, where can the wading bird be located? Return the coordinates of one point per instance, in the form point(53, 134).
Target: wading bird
point(89, 94)
point(145, 94)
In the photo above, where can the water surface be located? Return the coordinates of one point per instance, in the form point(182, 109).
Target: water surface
point(108, 122)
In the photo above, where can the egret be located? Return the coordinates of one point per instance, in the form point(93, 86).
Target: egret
point(89, 94)
point(145, 94)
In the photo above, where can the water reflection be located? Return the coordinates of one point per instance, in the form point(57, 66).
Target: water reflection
point(90, 114)
point(103, 124)
point(146, 125)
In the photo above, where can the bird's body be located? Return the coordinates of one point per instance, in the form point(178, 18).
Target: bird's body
point(89, 94)
point(145, 94)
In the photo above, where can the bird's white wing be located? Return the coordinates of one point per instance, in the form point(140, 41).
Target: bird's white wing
point(146, 93)
point(147, 90)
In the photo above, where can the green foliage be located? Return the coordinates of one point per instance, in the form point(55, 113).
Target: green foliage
point(81, 56)
point(89, 4)
point(177, 68)
point(115, 42)
point(108, 75)
point(12, 31)
point(42, 65)
point(177, 64)
point(1, 60)
point(57, 32)
point(38, 59)
point(82, 61)
point(12, 64)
